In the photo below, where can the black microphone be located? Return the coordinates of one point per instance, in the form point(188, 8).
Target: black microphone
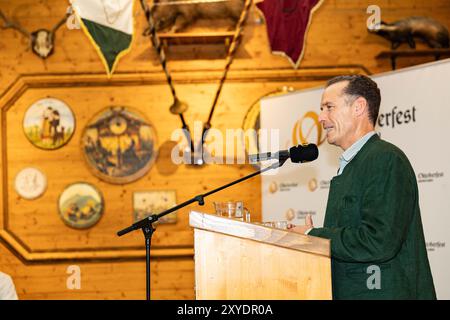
point(301, 153)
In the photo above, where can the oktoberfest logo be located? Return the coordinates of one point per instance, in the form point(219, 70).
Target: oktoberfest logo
point(273, 188)
point(290, 214)
point(308, 130)
point(312, 185)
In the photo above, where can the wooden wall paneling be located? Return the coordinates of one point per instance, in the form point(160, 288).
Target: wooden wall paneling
point(172, 278)
point(337, 35)
point(36, 224)
point(337, 43)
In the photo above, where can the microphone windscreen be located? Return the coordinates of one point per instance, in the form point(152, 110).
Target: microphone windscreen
point(304, 153)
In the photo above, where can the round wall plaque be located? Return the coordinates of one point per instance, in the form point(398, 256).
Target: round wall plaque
point(119, 145)
point(49, 123)
point(30, 183)
point(80, 205)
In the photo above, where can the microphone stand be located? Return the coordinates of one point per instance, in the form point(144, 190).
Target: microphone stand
point(146, 224)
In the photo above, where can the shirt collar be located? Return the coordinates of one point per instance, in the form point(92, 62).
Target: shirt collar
point(351, 152)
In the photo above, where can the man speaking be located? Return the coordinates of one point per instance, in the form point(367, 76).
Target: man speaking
point(373, 216)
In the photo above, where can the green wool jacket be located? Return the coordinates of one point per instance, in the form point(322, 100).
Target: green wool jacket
point(373, 220)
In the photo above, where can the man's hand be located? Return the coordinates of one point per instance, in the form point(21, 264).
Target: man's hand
point(302, 229)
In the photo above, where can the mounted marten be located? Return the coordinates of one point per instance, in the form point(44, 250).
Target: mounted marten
point(172, 17)
point(428, 30)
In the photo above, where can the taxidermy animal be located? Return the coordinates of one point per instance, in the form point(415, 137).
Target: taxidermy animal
point(426, 29)
point(42, 40)
point(176, 17)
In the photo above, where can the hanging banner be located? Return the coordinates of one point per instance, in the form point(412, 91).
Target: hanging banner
point(414, 113)
point(287, 26)
point(108, 25)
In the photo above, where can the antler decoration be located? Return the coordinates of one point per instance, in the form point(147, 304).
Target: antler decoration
point(42, 40)
point(13, 25)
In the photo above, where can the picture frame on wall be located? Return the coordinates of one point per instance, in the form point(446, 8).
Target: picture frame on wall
point(146, 203)
point(80, 205)
point(49, 123)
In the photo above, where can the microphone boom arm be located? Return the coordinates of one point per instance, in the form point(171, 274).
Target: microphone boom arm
point(199, 198)
point(146, 224)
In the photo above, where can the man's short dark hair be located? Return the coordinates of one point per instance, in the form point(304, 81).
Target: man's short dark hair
point(362, 86)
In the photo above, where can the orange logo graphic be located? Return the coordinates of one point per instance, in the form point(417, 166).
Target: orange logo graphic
point(312, 185)
point(298, 133)
point(273, 187)
point(290, 214)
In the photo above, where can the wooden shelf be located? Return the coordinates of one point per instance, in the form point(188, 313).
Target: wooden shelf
point(169, 39)
point(394, 54)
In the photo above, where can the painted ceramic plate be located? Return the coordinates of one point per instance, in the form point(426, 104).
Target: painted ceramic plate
point(80, 205)
point(119, 145)
point(49, 123)
point(30, 183)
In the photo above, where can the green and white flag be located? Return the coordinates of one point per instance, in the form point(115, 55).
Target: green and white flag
point(109, 26)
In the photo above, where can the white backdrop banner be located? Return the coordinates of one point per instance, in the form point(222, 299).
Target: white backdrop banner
point(414, 115)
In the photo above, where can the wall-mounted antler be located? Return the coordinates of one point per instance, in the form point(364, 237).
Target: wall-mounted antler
point(9, 24)
point(42, 40)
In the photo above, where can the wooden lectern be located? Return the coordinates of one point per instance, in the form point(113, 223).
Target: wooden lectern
point(236, 260)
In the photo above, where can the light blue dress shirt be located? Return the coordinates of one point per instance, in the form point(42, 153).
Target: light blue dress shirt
point(351, 152)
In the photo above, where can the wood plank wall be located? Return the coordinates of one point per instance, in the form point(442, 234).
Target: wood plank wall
point(337, 38)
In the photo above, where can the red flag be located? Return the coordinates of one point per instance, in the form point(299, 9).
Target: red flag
point(287, 23)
